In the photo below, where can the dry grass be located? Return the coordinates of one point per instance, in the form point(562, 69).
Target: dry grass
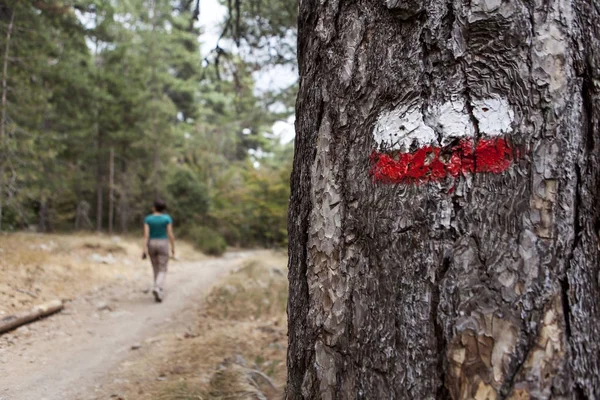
point(36, 268)
point(255, 291)
point(235, 350)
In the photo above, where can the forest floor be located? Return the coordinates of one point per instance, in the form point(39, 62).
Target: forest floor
point(220, 333)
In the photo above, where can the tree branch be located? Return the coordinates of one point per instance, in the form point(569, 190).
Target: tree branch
point(196, 13)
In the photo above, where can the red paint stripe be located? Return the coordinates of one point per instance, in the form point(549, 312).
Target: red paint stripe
point(435, 163)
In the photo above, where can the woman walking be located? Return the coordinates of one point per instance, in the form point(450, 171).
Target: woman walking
point(158, 232)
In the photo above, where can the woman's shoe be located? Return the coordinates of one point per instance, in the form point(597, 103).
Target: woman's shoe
point(158, 295)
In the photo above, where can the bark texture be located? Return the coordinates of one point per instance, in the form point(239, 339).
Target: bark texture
point(3, 120)
point(479, 286)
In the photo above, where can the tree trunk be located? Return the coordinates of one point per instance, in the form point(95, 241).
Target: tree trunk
point(443, 224)
point(82, 217)
point(99, 144)
point(99, 180)
point(155, 95)
point(43, 223)
point(3, 114)
point(111, 191)
point(124, 209)
point(78, 216)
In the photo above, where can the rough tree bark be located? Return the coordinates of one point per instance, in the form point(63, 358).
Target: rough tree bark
point(3, 120)
point(458, 260)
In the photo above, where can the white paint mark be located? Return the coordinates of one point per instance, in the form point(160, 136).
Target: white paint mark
point(404, 126)
point(494, 116)
point(452, 120)
point(399, 128)
point(486, 6)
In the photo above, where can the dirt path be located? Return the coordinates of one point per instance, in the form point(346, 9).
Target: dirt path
point(68, 355)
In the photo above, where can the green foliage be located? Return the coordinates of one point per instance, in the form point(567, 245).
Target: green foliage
point(266, 28)
point(189, 198)
point(125, 77)
point(251, 206)
point(207, 240)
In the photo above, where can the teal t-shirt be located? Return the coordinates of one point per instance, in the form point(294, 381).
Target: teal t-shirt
point(158, 225)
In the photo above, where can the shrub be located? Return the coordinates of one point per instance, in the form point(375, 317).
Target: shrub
point(207, 240)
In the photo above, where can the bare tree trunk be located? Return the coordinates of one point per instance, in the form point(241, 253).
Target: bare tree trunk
point(43, 223)
point(111, 191)
point(78, 216)
point(99, 180)
point(2, 172)
point(153, 83)
point(82, 218)
point(123, 211)
point(156, 165)
point(443, 222)
point(3, 115)
point(99, 147)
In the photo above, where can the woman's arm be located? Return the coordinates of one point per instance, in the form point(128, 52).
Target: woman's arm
point(171, 238)
point(146, 236)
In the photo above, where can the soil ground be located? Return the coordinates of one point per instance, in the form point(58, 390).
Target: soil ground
point(219, 333)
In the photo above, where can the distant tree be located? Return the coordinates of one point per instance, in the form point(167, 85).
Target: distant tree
point(189, 198)
point(104, 103)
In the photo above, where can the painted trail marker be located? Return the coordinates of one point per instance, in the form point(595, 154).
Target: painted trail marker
point(415, 146)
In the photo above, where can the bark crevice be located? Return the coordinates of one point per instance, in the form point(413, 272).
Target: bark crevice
point(588, 107)
point(507, 389)
point(577, 232)
point(440, 339)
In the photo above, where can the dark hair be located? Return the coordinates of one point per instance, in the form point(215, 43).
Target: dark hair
point(160, 205)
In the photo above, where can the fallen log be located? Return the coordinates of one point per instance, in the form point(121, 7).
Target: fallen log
point(11, 322)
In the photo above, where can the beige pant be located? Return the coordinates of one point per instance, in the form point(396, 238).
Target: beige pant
point(158, 250)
